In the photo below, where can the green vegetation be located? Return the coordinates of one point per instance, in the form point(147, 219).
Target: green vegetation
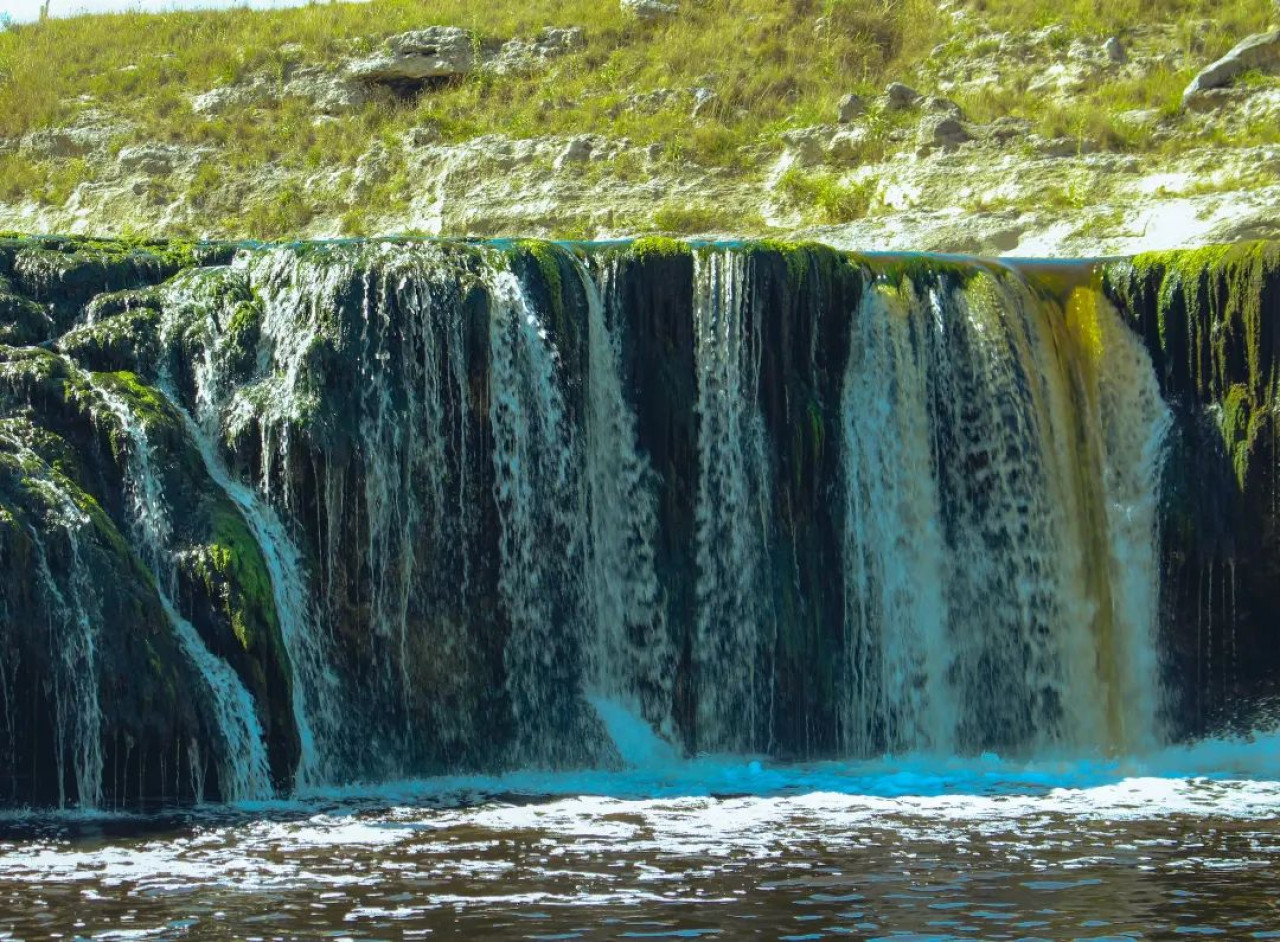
point(275, 166)
point(826, 197)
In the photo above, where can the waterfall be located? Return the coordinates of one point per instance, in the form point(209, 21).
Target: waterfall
point(1001, 481)
point(74, 624)
point(630, 660)
point(895, 557)
point(545, 506)
point(735, 630)
point(541, 503)
point(244, 770)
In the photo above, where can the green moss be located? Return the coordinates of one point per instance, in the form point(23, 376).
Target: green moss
point(234, 570)
point(145, 402)
point(547, 258)
point(658, 247)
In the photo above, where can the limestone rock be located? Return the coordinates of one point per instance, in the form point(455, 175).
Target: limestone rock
point(518, 55)
point(152, 159)
point(577, 151)
point(64, 142)
point(413, 59)
point(649, 9)
point(943, 130)
point(1261, 51)
point(702, 99)
point(807, 146)
point(1114, 50)
point(851, 108)
point(899, 97)
point(848, 145)
point(943, 106)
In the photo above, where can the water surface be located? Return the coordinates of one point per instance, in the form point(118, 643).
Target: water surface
point(1182, 842)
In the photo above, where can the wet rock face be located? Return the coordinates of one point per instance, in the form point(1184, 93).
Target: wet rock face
point(1212, 320)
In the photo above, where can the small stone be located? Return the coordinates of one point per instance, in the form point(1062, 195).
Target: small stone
point(899, 97)
point(943, 106)
point(149, 159)
point(1114, 50)
point(702, 98)
point(851, 108)
point(577, 151)
point(1261, 51)
point(807, 145)
point(649, 9)
point(423, 136)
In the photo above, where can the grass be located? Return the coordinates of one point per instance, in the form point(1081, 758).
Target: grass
point(825, 197)
point(773, 65)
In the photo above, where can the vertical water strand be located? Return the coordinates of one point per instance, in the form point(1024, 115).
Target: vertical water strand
point(413, 442)
point(73, 625)
point(317, 692)
point(542, 507)
point(735, 630)
point(630, 656)
point(1131, 422)
point(244, 769)
point(388, 428)
point(897, 697)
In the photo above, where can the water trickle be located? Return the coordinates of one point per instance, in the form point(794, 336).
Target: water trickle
point(244, 772)
point(538, 487)
point(74, 623)
point(629, 654)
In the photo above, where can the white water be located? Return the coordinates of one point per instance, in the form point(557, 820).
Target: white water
point(243, 766)
point(74, 625)
point(894, 553)
point(1002, 466)
point(541, 504)
point(735, 633)
point(316, 689)
point(629, 652)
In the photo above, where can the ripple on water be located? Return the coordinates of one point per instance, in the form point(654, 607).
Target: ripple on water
point(1178, 844)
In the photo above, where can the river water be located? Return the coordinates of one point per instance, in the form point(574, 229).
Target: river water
point(1184, 841)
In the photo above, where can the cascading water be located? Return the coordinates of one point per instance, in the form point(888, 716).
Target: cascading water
point(735, 632)
point(630, 660)
point(244, 769)
point(74, 622)
point(1001, 473)
point(526, 507)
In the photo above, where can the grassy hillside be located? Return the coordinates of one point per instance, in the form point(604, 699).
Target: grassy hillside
point(773, 65)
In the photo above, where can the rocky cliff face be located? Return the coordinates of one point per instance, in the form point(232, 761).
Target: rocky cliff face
point(295, 515)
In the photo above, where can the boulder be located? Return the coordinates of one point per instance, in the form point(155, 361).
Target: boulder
point(899, 97)
point(1261, 51)
point(64, 142)
point(851, 108)
point(152, 159)
point(849, 145)
point(649, 9)
point(411, 60)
